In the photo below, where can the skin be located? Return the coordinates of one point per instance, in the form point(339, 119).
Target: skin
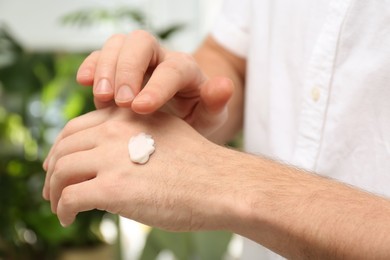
point(189, 93)
point(191, 183)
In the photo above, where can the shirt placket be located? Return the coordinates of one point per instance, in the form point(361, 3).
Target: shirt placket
point(317, 87)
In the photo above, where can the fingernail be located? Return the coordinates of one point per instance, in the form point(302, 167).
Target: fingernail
point(103, 87)
point(125, 94)
point(62, 224)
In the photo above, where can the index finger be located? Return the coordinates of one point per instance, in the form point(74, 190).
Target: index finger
point(139, 52)
point(177, 74)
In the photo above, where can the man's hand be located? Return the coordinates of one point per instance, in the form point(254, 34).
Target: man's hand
point(190, 183)
point(89, 167)
point(135, 71)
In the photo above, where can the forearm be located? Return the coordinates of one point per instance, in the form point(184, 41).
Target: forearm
point(304, 216)
point(216, 61)
point(193, 184)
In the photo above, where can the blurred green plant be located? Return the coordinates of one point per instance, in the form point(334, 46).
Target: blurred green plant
point(92, 16)
point(195, 245)
point(117, 16)
point(38, 94)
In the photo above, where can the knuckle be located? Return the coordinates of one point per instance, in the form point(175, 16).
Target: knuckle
point(68, 198)
point(174, 68)
point(58, 169)
point(180, 63)
point(111, 128)
point(70, 127)
point(184, 57)
point(144, 36)
point(126, 68)
point(60, 146)
point(116, 37)
point(89, 63)
point(94, 53)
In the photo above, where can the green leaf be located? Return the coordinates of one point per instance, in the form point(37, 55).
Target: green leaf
point(74, 105)
point(211, 245)
point(51, 91)
point(168, 32)
point(158, 240)
point(196, 245)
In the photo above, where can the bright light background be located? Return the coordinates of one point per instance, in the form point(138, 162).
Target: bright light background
point(36, 24)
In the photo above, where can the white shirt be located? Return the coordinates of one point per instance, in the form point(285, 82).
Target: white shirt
point(318, 86)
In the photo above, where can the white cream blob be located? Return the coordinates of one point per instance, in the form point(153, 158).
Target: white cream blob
point(141, 146)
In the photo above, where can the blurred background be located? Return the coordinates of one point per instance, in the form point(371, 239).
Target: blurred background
point(42, 43)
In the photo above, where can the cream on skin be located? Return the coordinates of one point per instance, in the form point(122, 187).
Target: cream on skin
point(141, 146)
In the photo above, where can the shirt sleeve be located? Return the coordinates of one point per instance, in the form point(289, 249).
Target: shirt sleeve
point(232, 27)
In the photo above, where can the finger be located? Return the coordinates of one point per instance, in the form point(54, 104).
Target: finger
point(82, 122)
point(139, 52)
point(176, 74)
point(215, 94)
point(86, 121)
point(86, 72)
point(79, 141)
point(103, 104)
point(71, 169)
point(104, 80)
point(212, 108)
point(79, 197)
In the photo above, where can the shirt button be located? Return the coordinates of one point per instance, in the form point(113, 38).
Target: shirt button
point(315, 94)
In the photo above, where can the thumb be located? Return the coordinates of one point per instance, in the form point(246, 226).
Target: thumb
point(211, 111)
